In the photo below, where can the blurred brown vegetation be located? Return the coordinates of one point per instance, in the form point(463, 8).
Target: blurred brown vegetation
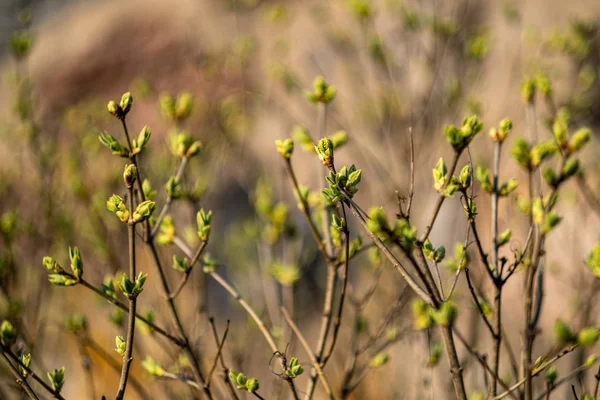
point(411, 64)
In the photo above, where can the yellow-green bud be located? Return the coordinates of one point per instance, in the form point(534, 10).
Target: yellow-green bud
point(76, 262)
point(324, 150)
point(51, 265)
point(285, 148)
point(129, 175)
point(143, 211)
point(183, 106)
point(579, 139)
point(8, 334)
point(121, 345)
point(587, 336)
point(126, 102)
point(114, 109)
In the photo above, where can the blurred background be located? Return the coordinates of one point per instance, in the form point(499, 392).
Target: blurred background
point(396, 65)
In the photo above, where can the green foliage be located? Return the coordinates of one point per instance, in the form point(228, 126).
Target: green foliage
point(8, 334)
point(344, 182)
point(203, 220)
point(285, 274)
point(132, 289)
point(243, 383)
point(440, 174)
point(322, 92)
point(285, 148)
point(294, 369)
point(422, 316)
point(143, 211)
point(379, 360)
point(459, 139)
point(435, 354)
point(57, 379)
point(121, 345)
point(76, 323)
point(446, 315)
point(551, 374)
point(152, 367)
point(433, 254)
point(324, 150)
point(300, 134)
point(180, 264)
point(563, 333)
point(113, 144)
point(116, 204)
point(166, 232)
point(182, 145)
point(588, 336)
point(593, 260)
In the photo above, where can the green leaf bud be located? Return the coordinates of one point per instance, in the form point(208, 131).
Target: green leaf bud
point(562, 332)
point(129, 175)
point(379, 360)
point(57, 379)
point(152, 367)
point(324, 150)
point(508, 187)
point(121, 345)
point(579, 139)
point(143, 138)
point(521, 153)
point(300, 134)
point(446, 315)
point(113, 144)
point(252, 385)
point(339, 139)
point(285, 148)
point(143, 211)
point(52, 265)
point(588, 336)
point(26, 361)
point(183, 105)
point(203, 220)
point(116, 204)
point(126, 102)
point(180, 264)
point(76, 262)
point(465, 177)
point(551, 374)
point(8, 334)
point(504, 238)
point(440, 173)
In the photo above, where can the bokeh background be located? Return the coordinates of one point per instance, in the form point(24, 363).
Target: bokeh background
point(396, 65)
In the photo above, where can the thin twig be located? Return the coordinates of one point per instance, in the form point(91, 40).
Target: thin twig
point(187, 273)
point(179, 342)
point(224, 368)
point(310, 354)
point(411, 191)
point(167, 205)
point(481, 361)
point(338, 318)
point(538, 370)
point(19, 379)
point(217, 356)
point(565, 379)
point(235, 294)
point(440, 200)
point(407, 277)
point(30, 372)
point(128, 356)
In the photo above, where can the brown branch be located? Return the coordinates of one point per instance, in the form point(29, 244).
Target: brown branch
point(217, 356)
point(310, 354)
point(19, 379)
